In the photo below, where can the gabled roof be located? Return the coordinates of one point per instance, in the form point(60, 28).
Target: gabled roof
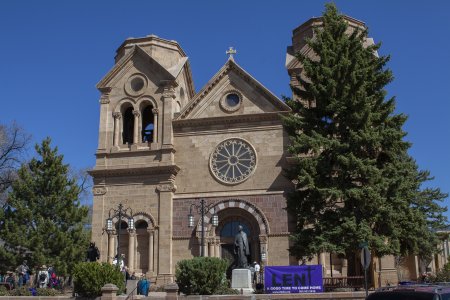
point(125, 59)
point(231, 65)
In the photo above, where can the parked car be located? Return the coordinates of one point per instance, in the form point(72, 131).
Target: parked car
point(412, 292)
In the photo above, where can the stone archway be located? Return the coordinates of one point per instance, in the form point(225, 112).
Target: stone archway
point(232, 212)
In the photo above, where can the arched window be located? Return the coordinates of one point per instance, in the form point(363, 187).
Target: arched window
point(230, 229)
point(128, 126)
point(147, 124)
point(123, 225)
point(141, 224)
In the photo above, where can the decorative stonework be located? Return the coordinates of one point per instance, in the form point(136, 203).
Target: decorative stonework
point(233, 161)
point(136, 113)
point(104, 99)
point(117, 115)
point(136, 84)
point(99, 190)
point(170, 187)
point(224, 102)
point(155, 111)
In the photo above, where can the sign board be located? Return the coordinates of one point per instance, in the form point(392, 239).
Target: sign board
point(293, 279)
point(365, 258)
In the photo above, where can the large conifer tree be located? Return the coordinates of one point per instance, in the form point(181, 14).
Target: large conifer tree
point(355, 181)
point(43, 216)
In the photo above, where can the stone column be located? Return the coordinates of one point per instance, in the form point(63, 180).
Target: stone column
point(217, 248)
point(104, 135)
point(211, 252)
point(263, 241)
point(165, 229)
point(136, 114)
point(155, 125)
point(117, 116)
point(111, 245)
point(168, 97)
point(151, 233)
point(131, 249)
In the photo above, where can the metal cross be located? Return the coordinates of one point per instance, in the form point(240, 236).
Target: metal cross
point(230, 52)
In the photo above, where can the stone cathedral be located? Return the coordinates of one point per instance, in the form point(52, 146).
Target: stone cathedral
point(163, 147)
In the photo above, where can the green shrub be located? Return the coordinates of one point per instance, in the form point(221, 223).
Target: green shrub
point(3, 291)
point(201, 275)
point(47, 292)
point(22, 291)
point(90, 277)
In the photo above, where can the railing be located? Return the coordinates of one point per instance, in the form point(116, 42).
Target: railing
point(331, 283)
point(130, 295)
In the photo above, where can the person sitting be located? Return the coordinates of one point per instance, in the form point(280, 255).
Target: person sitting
point(143, 286)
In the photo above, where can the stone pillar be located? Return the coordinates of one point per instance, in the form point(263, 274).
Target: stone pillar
point(103, 134)
point(172, 291)
point(131, 249)
point(345, 267)
point(165, 229)
point(167, 97)
point(263, 241)
point(111, 245)
point(117, 116)
point(109, 292)
point(151, 233)
point(155, 125)
point(323, 262)
point(136, 134)
point(217, 248)
point(211, 252)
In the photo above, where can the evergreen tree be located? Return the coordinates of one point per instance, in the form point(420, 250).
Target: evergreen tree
point(355, 181)
point(43, 216)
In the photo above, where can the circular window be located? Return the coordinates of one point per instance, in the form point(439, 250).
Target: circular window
point(233, 161)
point(136, 85)
point(231, 101)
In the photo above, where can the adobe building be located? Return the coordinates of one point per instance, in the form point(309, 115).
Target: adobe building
point(163, 147)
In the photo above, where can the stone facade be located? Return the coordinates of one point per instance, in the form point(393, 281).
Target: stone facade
point(162, 147)
point(155, 155)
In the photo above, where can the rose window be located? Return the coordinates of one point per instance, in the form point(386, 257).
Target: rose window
point(233, 161)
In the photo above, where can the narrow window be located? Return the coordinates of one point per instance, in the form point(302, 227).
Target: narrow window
point(147, 124)
point(128, 126)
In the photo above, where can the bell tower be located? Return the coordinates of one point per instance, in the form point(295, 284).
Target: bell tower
point(146, 88)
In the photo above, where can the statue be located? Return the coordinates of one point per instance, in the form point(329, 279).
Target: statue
point(92, 253)
point(241, 249)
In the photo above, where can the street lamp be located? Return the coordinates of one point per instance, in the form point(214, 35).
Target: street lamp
point(119, 212)
point(202, 208)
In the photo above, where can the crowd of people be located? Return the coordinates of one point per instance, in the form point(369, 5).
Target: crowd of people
point(43, 277)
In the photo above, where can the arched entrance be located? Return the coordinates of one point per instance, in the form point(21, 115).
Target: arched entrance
point(232, 213)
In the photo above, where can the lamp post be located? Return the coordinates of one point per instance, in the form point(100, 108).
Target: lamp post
point(119, 212)
point(202, 208)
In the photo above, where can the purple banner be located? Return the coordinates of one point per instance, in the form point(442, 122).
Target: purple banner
point(293, 279)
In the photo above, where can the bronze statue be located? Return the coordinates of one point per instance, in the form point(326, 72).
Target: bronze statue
point(241, 249)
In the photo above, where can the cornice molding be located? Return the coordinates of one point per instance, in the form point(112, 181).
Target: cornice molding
point(231, 119)
point(121, 171)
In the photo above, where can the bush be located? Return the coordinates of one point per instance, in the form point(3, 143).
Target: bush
point(90, 277)
point(3, 291)
point(201, 275)
point(47, 292)
point(22, 291)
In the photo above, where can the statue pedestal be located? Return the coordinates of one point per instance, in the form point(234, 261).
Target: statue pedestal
point(241, 279)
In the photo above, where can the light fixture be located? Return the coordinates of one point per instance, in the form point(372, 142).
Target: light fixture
point(190, 220)
point(109, 224)
point(131, 223)
point(215, 220)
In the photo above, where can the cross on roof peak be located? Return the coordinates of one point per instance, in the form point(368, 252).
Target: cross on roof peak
point(230, 52)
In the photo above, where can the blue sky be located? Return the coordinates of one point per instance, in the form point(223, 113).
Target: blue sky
point(54, 52)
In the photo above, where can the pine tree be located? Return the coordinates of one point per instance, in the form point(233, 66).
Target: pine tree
point(43, 216)
point(355, 181)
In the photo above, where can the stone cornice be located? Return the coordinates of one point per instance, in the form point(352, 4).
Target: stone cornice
point(127, 170)
point(231, 119)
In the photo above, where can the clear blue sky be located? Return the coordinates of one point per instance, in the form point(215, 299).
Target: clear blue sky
point(54, 52)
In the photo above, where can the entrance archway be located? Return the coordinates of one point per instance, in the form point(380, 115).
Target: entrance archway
point(232, 213)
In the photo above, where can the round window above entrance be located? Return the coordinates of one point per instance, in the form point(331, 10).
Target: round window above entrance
point(231, 101)
point(233, 161)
